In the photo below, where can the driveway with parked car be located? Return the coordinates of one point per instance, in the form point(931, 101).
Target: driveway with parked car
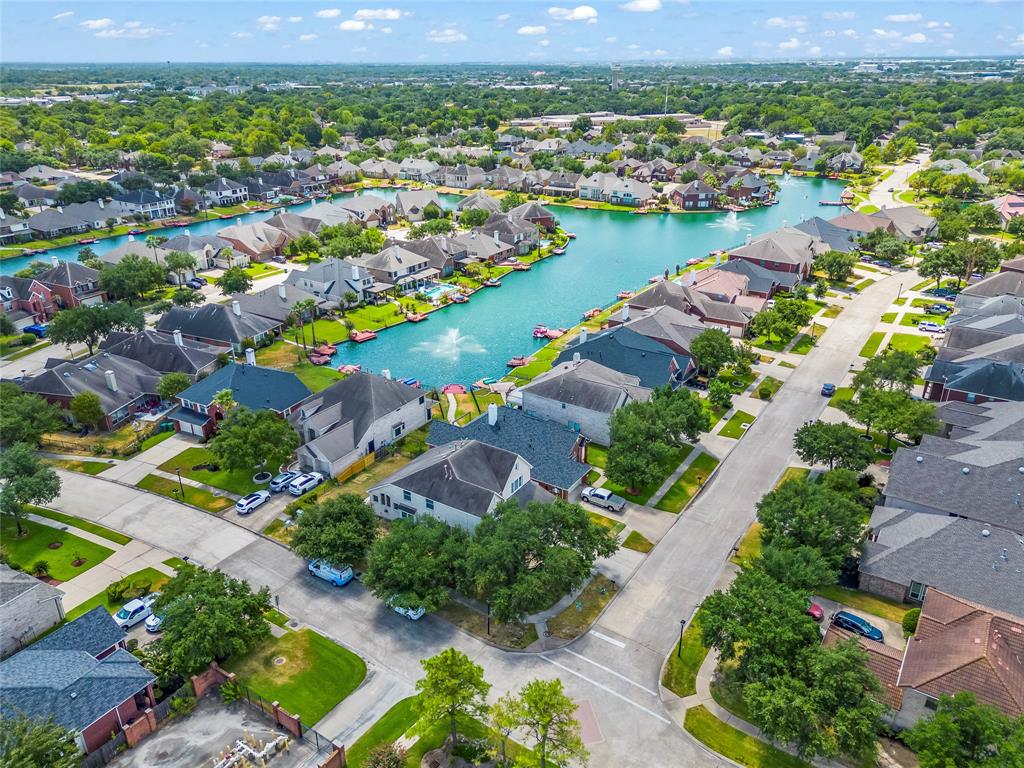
point(892, 632)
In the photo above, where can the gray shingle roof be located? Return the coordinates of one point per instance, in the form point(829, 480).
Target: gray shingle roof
point(545, 444)
point(93, 632)
point(589, 385)
point(215, 321)
point(253, 386)
point(133, 380)
point(159, 352)
point(624, 350)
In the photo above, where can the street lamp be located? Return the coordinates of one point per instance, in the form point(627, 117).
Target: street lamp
point(899, 292)
point(679, 647)
point(180, 484)
point(488, 619)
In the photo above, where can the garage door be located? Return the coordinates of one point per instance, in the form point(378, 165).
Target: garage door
point(190, 429)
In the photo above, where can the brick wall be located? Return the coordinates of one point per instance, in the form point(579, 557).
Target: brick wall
point(336, 759)
point(141, 728)
point(206, 680)
point(286, 720)
point(883, 587)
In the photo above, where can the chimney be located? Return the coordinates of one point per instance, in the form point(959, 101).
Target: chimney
point(177, 339)
point(583, 336)
point(496, 240)
point(282, 291)
point(355, 272)
point(111, 381)
point(250, 356)
point(102, 204)
point(492, 414)
point(576, 357)
point(54, 261)
point(625, 312)
point(236, 308)
point(386, 373)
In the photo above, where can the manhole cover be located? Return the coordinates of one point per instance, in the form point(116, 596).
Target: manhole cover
point(280, 660)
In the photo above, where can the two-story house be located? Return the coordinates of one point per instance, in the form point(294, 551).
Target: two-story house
point(398, 267)
point(26, 301)
point(72, 284)
point(147, 202)
point(333, 280)
point(225, 192)
point(219, 324)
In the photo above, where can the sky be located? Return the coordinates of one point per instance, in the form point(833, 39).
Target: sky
point(428, 31)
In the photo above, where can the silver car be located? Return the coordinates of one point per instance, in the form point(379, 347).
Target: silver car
point(602, 497)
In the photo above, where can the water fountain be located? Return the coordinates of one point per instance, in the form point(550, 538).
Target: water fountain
point(731, 221)
point(450, 346)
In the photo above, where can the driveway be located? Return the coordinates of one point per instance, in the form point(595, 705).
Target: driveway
point(881, 197)
point(892, 631)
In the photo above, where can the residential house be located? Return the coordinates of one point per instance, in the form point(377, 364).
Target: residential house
point(520, 233)
point(734, 319)
point(957, 167)
point(260, 190)
point(222, 325)
point(219, 150)
point(552, 450)
point(295, 225)
point(760, 281)
point(164, 353)
point(416, 168)
point(410, 204)
point(225, 192)
point(909, 222)
point(370, 210)
point(28, 607)
point(626, 351)
point(846, 162)
point(81, 676)
point(464, 176)
point(745, 157)
point(149, 203)
point(507, 141)
point(479, 200)
point(694, 195)
point(209, 251)
point(582, 395)
point(535, 214)
point(332, 279)
point(72, 284)
point(32, 196)
point(354, 418)
point(748, 189)
point(13, 229)
point(607, 187)
point(441, 252)
point(75, 218)
point(458, 483)
point(783, 250)
point(559, 184)
point(665, 324)
point(1009, 206)
point(343, 171)
point(1000, 284)
point(835, 237)
point(862, 223)
point(187, 200)
point(26, 301)
point(1013, 265)
point(480, 247)
point(252, 386)
point(257, 241)
point(375, 168)
point(278, 302)
point(397, 267)
point(124, 386)
point(507, 177)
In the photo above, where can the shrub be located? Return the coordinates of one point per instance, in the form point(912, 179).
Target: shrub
point(910, 619)
point(230, 692)
point(141, 586)
point(28, 339)
point(41, 568)
point(182, 705)
point(765, 393)
point(116, 591)
point(132, 645)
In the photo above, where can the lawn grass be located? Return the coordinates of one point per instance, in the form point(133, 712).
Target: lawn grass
point(257, 269)
point(925, 303)
point(597, 455)
point(681, 667)
point(862, 284)
point(872, 344)
point(727, 690)
point(908, 342)
point(792, 473)
point(375, 316)
point(387, 730)
point(361, 482)
point(804, 343)
point(889, 317)
point(236, 481)
point(194, 496)
point(279, 532)
point(833, 310)
point(326, 330)
point(776, 345)
point(637, 542)
point(733, 427)
point(767, 387)
point(686, 486)
point(288, 357)
point(474, 622)
point(734, 744)
point(737, 382)
point(862, 601)
point(156, 439)
point(84, 525)
point(900, 301)
point(156, 579)
point(749, 548)
point(276, 618)
point(714, 412)
point(23, 552)
point(83, 466)
point(786, 364)
point(175, 562)
point(913, 319)
point(316, 674)
point(577, 617)
point(615, 526)
point(842, 394)
point(675, 457)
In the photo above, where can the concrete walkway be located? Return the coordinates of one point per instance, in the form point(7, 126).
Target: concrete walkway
point(133, 469)
point(671, 480)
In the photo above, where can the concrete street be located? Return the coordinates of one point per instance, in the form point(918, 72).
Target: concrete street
point(881, 197)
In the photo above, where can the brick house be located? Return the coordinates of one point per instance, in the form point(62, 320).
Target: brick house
point(73, 284)
point(26, 301)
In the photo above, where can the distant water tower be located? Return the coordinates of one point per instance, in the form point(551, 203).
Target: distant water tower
point(616, 77)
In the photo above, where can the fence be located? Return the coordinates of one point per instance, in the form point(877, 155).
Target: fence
point(106, 753)
point(291, 723)
point(357, 466)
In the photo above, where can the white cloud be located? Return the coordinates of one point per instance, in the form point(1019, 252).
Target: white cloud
point(354, 25)
point(839, 15)
point(386, 30)
point(916, 37)
point(789, 45)
point(885, 34)
point(294, 19)
point(799, 23)
point(97, 23)
point(241, 35)
point(632, 46)
point(947, 35)
point(642, 6)
point(725, 51)
point(611, 39)
point(64, 15)
point(814, 50)
point(359, 50)
point(378, 14)
point(580, 49)
point(660, 52)
point(585, 13)
point(328, 13)
point(269, 23)
point(544, 43)
point(535, 30)
point(307, 38)
point(446, 35)
point(132, 30)
point(503, 17)
point(903, 18)
point(1019, 42)
point(850, 33)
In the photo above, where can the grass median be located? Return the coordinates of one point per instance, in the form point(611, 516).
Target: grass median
point(197, 497)
point(685, 487)
point(64, 554)
point(734, 744)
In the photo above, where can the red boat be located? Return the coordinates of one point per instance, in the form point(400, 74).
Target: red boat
point(87, 241)
point(360, 336)
point(571, 235)
point(319, 359)
point(459, 298)
point(453, 389)
point(225, 217)
point(325, 349)
point(136, 231)
point(416, 317)
point(624, 295)
point(521, 267)
point(349, 369)
point(540, 332)
point(556, 333)
point(517, 362)
point(590, 314)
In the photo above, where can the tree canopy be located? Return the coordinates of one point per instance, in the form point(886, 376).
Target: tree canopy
point(247, 439)
point(27, 480)
point(24, 416)
point(338, 530)
point(90, 323)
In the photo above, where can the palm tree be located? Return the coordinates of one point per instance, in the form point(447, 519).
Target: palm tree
point(301, 309)
point(154, 242)
point(224, 400)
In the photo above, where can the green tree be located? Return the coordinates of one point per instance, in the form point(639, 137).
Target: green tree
point(770, 323)
point(186, 297)
point(416, 564)
point(247, 439)
point(25, 417)
point(896, 412)
point(87, 409)
point(637, 446)
point(828, 706)
point(131, 277)
point(155, 242)
point(836, 264)
point(793, 312)
point(234, 280)
point(680, 414)
point(452, 687)
point(303, 310)
point(89, 324)
point(171, 384)
point(966, 734)
point(209, 616)
point(713, 349)
point(473, 217)
point(27, 481)
point(178, 263)
point(511, 200)
point(388, 755)
point(720, 394)
point(338, 530)
point(549, 715)
point(28, 743)
point(800, 568)
point(225, 400)
point(504, 718)
point(837, 445)
point(893, 370)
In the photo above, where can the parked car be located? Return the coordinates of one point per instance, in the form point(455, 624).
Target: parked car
point(691, 262)
point(39, 331)
point(134, 611)
point(929, 327)
point(884, 263)
point(815, 611)
point(862, 627)
point(602, 497)
point(304, 483)
point(415, 614)
point(248, 504)
point(940, 309)
point(827, 390)
point(154, 622)
point(281, 481)
point(339, 575)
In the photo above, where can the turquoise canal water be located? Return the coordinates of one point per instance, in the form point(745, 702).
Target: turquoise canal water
point(612, 252)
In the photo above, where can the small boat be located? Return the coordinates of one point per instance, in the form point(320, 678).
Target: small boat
point(325, 349)
point(558, 251)
point(459, 298)
point(316, 359)
point(481, 383)
point(692, 262)
point(571, 235)
point(556, 333)
point(590, 314)
point(831, 202)
point(360, 336)
point(414, 383)
point(518, 361)
point(225, 217)
point(520, 267)
point(33, 251)
point(491, 282)
point(639, 212)
point(349, 369)
point(540, 332)
point(453, 389)
point(87, 241)
point(580, 207)
point(136, 231)
point(624, 295)
point(416, 317)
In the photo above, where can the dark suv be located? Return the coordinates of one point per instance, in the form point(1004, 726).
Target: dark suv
point(847, 620)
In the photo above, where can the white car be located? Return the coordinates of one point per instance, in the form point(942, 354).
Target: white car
point(415, 614)
point(602, 497)
point(304, 483)
point(338, 575)
point(248, 504)
point(154, 623)
point(930, 327)
point(134, 611)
